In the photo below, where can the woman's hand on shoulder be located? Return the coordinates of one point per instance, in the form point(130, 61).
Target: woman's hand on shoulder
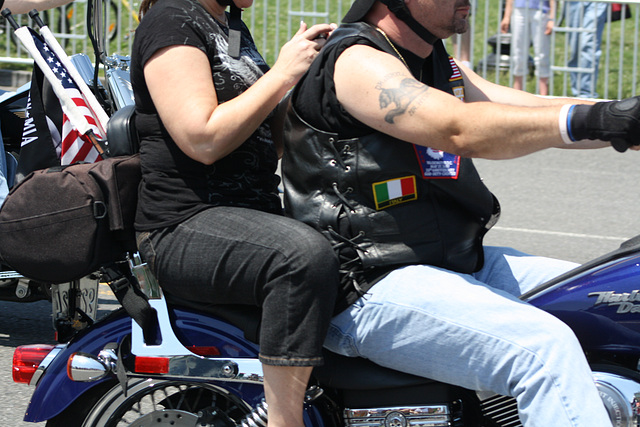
point(298, 53)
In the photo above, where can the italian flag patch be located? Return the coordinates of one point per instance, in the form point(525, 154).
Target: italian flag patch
point(394, 191)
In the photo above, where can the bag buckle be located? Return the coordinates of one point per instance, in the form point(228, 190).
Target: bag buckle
point(99, 209)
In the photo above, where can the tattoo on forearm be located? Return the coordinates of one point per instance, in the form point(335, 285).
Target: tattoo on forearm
point(401, 97)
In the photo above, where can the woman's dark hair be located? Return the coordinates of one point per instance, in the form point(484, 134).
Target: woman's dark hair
point(144, 7)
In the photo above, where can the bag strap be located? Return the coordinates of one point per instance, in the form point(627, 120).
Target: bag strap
point(125, 287)
point(119, 178)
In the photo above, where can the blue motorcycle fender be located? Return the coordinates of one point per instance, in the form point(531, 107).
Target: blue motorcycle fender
point(55, 391)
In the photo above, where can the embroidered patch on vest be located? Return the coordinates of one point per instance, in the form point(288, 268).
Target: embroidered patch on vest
point(437, 164)
point(455, 75)
point(458, 91)
point(394, 191)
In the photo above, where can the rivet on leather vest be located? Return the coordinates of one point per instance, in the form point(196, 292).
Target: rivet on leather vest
point(371, 193)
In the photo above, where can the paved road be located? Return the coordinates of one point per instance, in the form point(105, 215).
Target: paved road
point(28, 323)
point(561, 203)
point(19, 324)
point(569, 204)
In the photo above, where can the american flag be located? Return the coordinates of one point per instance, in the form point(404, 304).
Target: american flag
point(80, 122)
point(455, 75)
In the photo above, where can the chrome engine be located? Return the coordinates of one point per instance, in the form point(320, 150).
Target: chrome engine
point(407, 416)
point(621, 397)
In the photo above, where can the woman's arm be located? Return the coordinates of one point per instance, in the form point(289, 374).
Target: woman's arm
point(181, 86)
point(25, 6)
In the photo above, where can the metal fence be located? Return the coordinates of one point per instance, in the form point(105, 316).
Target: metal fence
point(273, 22)
point(618, 63)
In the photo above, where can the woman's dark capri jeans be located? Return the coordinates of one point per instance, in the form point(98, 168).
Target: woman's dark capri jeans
point(230, 255)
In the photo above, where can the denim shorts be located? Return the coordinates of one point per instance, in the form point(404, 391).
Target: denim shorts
point(280, 266)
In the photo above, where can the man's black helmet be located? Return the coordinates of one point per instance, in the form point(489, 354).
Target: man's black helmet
point(360, 8)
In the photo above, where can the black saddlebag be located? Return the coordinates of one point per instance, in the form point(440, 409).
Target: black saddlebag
point(62, 223)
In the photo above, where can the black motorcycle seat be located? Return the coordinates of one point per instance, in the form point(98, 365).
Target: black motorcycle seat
point(342, 372)
point(357, 373)
point(122, 136)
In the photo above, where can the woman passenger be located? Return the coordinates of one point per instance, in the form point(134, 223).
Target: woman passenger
point(209, 217)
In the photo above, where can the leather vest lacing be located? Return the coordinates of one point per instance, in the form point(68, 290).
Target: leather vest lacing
point(342, 187)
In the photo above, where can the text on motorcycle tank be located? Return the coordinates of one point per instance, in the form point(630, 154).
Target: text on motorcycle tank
point(624, 301)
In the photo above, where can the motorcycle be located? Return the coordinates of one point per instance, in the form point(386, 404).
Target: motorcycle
point(172, 362)
point(197, 365)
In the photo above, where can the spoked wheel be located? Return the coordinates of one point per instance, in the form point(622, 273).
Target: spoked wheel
point(167, 403)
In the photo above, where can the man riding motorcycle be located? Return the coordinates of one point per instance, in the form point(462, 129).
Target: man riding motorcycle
point(378, 149)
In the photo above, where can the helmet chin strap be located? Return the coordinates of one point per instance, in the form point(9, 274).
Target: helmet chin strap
point(235, 25)
point(398, 8)
point(235, 35)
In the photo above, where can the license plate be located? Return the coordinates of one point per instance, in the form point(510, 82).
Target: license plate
point(85, 292)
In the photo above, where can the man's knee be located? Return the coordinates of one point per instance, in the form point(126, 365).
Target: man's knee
point(556, 339)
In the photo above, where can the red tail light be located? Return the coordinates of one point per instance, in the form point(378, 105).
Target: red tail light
point(26, 359)
point(152, 365)
point(205, 351)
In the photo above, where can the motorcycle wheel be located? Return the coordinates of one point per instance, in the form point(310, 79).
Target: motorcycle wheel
point(167, 403)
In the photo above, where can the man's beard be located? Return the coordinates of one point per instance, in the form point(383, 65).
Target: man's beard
point(460, 26)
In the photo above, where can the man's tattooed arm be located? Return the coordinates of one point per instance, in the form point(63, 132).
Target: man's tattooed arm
point(401, 97)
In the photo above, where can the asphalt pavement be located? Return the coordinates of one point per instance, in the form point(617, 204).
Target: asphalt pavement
point(569, 204)
point(29, 323)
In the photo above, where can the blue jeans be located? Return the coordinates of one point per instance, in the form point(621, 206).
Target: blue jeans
point(585, 49)
point(458, 329)
point(281, 267)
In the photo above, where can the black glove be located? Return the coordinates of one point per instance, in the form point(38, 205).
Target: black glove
point(615, 121)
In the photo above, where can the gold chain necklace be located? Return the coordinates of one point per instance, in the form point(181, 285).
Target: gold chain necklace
point(393, 46)
point(397, 52)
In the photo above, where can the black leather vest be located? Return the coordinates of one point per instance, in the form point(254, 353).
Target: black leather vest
point(370, 192)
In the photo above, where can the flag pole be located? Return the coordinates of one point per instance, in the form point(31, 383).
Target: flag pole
point(98, 144)
point(6, 13)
